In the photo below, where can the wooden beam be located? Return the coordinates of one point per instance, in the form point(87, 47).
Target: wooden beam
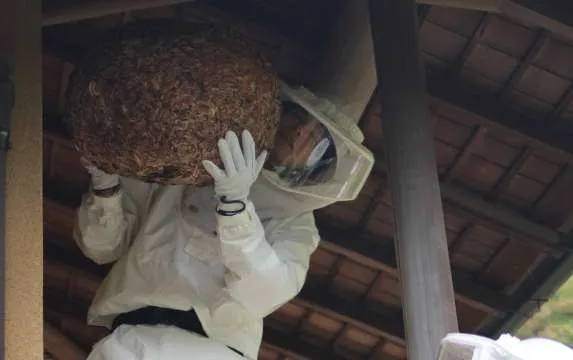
point(562, 104)
point(372, 205)
point(380, 256)
point(472, 145)
point(471, 45)
point(459, 200)
point(553, 15)
point(389, 325)
point(454, 99)
point(509, 175)
point(468, 203)
point(530, 55)
point(59, 346)
point(100, 9)
point(294, 348)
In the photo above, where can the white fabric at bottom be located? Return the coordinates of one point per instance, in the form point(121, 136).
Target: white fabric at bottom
point(144, 342)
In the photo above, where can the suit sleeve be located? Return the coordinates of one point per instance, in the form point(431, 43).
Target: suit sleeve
point(265, 273)
point(104, 226)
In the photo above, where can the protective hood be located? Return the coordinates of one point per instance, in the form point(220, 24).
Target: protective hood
point(346, 173)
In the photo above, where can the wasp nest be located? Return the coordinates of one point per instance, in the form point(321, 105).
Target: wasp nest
point(151, 104)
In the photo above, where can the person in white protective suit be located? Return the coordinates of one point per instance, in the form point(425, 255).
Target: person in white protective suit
point(458, 346)
point(197, 269)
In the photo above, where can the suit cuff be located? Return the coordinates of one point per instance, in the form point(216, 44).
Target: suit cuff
point(111, 202)
point(240, 226)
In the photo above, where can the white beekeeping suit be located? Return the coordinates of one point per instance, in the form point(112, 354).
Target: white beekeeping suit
point(197, 269)
point(507, 347)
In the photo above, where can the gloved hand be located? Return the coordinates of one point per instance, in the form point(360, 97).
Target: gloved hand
point(100, 179)
point(241, 166)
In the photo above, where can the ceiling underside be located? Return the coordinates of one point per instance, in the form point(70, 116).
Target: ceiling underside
point(501, 103)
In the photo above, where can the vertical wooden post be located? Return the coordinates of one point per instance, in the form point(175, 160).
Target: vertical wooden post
point(420, 237)
point(20, 40)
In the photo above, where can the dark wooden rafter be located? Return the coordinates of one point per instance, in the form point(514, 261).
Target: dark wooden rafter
point(380, 256)
point(457, 241)
point(556, 179)
point(375, 200)
point(373, 354)
point(453, 99)
point(501, 219)
point(472, 145)
point(528, 58)
point(494, 256)
point(389, 326)
point(562, 104)
point(473, 42)
point(301, 322)
point(553, 15)
point(510, 174)
point(339, 335)
point(60, 346)
point(458, 199)
point(486, 213)
point(374, 285)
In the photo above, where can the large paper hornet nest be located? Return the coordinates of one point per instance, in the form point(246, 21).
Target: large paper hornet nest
point(150, 102)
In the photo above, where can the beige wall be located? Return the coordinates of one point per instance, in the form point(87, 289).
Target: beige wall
point(24, 190)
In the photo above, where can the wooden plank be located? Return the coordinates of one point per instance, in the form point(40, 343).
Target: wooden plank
point(372, 205)
point(526, 229)
point(60, 346)
point(562, 105)
point(471, 45)
point(390, 326)
point(509, 175)
point(526, 62)
point(557, 202)
point(554, 16)
point(380, 256)
point(472, 145)
point(477, 209)
point(455, 99)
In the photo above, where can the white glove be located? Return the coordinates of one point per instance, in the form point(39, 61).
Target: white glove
point(100, 179)
point(241, 166)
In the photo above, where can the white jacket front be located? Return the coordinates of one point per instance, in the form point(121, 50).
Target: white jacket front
point(174, 251)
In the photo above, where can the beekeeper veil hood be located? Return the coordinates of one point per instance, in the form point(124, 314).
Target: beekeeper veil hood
point(318, 158)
